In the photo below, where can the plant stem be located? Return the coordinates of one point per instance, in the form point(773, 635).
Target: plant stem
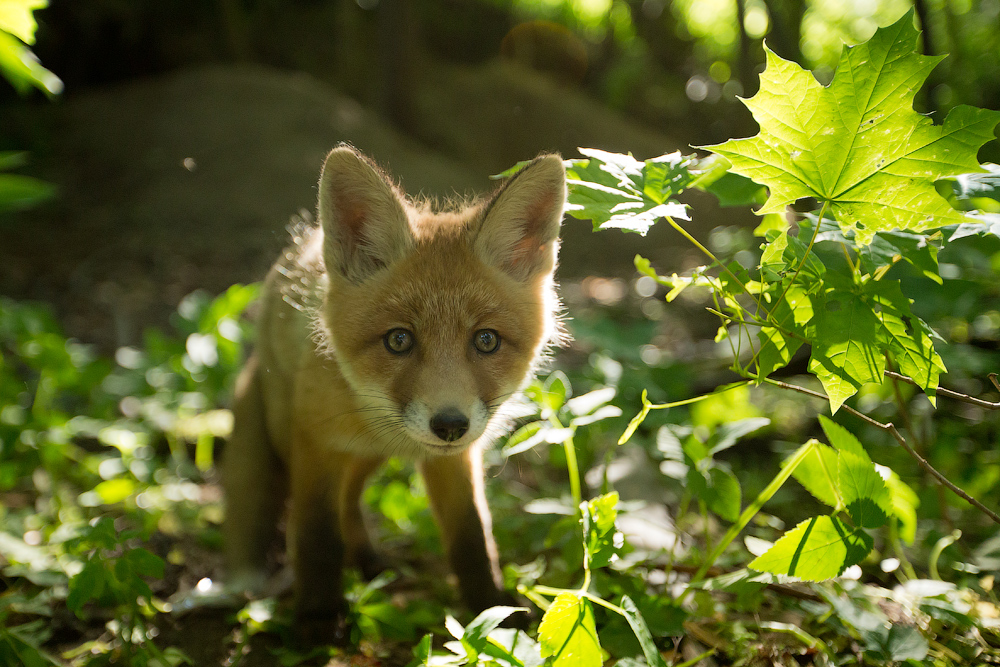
point(891, 430)
point(918, 444)
point(897, 546)
point(805, 256)
point(571, 465)
point(749, 513)
point(941, 391)
point(707, 252)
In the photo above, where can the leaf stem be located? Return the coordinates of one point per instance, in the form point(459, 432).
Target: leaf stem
point(707, 252)
point(805, 256)
point(891, 430)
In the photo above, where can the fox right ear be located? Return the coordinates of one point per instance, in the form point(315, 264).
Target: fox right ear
point(365, 226)
point(519, 232)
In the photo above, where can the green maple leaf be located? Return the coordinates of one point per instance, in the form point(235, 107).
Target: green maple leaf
point(846, 349)
point(858, 144)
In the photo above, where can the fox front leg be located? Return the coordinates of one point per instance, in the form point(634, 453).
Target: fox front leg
point(317, 550)
point(455, 489)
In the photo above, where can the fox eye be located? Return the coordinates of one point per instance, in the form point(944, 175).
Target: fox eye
point(398, 341)
point(486, 340)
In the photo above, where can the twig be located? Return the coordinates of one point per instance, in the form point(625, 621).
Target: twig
point(941, 391)
point(889, 428)
point(918, 444)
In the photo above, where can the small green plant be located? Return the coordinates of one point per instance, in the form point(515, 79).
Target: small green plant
point(828, 144)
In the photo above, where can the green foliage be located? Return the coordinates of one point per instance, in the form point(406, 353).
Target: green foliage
point(615, 190)
point(17, 191)
point(17, 62)
point(858, 145)
point(92, 445)
point(567, 633)
point(103, 462)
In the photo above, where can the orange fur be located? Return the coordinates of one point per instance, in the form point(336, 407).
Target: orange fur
point(325, 399)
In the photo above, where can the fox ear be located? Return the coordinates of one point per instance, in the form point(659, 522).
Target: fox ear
point(365, 226)
point(519, 231)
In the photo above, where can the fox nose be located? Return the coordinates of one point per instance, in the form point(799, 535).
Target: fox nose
point(449, 424)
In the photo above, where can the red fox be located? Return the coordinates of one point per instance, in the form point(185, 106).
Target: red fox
point(388, 330)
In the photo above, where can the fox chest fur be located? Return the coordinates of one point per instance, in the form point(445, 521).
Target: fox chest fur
point(387, 330)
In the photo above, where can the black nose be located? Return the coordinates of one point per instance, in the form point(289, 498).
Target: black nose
point(449, 425)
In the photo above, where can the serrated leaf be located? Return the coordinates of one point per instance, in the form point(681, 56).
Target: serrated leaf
point(864, 492)
point(618, 191)
point(842, 439)
point(817, 472)
point(858, 143)
point(888, 248)
point(568, 634)
point(782, 256)
point(846, 353)
point(817, 549)
point(909, 339)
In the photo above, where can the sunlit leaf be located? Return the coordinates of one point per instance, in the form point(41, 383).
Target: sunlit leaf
point(817, 549)
point(864, 492)
point(904, 503)
point(846, 353)
point(602, 541)
point(858, 143)
point(817, 472)
point(567, 633)
point(841, 439)
point(618, 191)
point(115, 490)
point(21, 67)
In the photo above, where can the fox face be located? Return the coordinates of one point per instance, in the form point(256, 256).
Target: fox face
point(436, 319)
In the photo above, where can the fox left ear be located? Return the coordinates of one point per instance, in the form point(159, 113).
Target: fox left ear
point(364, 221)
point(519, 231)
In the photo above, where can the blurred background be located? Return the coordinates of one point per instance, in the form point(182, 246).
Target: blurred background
point(179, 138)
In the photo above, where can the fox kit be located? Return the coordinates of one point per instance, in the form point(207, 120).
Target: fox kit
point(388, 329)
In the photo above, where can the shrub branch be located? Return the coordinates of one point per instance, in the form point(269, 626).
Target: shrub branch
point(891, 430)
